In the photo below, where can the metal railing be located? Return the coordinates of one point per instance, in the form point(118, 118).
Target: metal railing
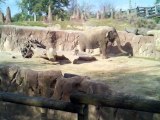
point(147, 12)
point(79, 102)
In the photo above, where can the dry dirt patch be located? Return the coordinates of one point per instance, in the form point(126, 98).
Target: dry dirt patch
point(128, 75)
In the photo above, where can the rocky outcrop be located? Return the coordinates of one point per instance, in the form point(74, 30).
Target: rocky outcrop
point(66, 86)
point(29, 82)
point(156, 34)
point(52, 84)
point(16, 36)
point(141, 46)
point(13, 37)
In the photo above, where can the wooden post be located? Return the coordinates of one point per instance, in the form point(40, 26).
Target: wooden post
point(84, 115)
point(137, 11)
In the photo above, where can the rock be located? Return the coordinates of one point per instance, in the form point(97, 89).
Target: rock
point(156, 34)
point(13, 57)
point(147, 51)
point(29, 82)
point(81, 56)
point(65, 40)
point(39, 53)
point(69, 75)
point(143, 31)
point(1, 17)
point(135, 44)
point(18, 35)
point(132, 30)
point(51, 54)
point(7, 45)
point(8, 16)
point(33, 47)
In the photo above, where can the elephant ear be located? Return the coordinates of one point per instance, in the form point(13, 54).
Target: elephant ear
point(108, 34)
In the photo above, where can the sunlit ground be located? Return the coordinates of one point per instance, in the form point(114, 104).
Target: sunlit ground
point(130, 75)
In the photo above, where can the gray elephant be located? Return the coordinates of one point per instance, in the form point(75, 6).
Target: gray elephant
point(99, 37)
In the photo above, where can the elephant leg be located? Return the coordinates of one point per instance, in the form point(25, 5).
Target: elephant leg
point(103, 49)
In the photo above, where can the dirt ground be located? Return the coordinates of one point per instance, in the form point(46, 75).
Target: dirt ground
point(129, 75)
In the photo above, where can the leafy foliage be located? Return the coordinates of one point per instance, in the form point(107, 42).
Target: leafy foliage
point(157, 1)
point(145, 23)
point(41, 6)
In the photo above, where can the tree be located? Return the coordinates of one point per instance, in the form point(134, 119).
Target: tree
point(40, 7)
point(106, 9)
point(72, 6)
point(2, 1)
point(157, 1)
point(130, 4)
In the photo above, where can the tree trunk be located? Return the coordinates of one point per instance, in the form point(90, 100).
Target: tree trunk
point(49, 14)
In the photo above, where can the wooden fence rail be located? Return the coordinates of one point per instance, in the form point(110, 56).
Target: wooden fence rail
point(81, 110)
point(118, 101)
point(79, 102)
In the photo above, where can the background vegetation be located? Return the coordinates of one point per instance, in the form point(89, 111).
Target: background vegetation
point(62, 10)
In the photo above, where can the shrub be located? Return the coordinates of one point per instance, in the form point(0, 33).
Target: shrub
point(145, 23)
point(157, 20)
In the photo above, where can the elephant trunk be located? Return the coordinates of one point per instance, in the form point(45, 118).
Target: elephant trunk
point(119, 46)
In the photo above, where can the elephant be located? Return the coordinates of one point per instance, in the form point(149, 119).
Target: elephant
point(99, 37)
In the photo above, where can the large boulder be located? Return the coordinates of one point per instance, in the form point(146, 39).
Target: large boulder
point(66, 86)
point(28, 82)
point(139, 45)
point(156, 34)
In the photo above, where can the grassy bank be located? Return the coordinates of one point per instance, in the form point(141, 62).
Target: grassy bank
point(119, 25)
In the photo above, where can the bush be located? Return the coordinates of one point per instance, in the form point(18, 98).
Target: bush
point(145, 23)
point(157, 20)
point(20, 17)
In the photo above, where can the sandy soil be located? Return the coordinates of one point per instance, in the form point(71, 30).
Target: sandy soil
point(130, 75)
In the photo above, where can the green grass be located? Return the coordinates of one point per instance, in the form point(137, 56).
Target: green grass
point(119, 25)
point(30, 23)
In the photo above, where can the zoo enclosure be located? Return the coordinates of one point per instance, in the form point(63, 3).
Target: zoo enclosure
point(79, 102)
point(147, 12)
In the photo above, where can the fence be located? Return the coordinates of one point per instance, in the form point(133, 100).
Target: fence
point(79, 103)
point(147, 12)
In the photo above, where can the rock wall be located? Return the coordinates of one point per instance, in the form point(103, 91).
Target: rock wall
point(52, 84)
point(12, 37)
point(142, 46)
